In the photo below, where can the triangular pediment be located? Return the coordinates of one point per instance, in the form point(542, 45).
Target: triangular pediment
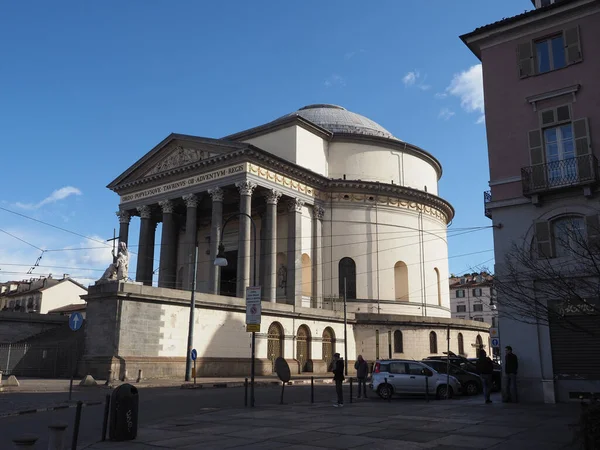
point(175, 152)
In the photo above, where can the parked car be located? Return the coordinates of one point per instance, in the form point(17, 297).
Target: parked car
point(471, 382)
point(404, 377)
point(469, 366)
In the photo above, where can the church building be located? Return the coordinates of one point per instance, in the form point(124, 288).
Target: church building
point(316, 206)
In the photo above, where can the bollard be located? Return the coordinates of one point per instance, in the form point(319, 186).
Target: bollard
point(57, 436)
point(139, 378)
point(312, 389)
point(108, 377)
point(76, 426)
point(350, 389)
point(427, 389)
point(27, 441)
point(245, 391)
point(105, 420)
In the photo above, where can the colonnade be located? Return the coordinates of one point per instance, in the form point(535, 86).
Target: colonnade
point(167, 275)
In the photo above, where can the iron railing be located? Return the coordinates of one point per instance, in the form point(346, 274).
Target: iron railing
point(487, 198)
point(578, 171)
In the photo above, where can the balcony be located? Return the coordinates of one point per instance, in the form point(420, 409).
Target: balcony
point(555, 175)
point(487, 198)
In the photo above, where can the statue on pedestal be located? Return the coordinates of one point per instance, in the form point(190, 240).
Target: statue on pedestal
point(118, 270)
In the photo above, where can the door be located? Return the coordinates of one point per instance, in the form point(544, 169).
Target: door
point(303, 348)
point(416, 379)
point(398, 378)
point(560, 151)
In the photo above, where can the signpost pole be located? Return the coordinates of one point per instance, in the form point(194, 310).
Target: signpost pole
point(448, 364)
point(75, 323)
point(188, 362)
point(345, 332)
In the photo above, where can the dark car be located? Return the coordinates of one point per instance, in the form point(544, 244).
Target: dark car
point(471, 382)
point(469, 366)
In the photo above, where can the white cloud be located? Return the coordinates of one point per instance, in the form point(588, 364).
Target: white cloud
point(468, 87)
point(439, 95)
point(57, 195)
point(410, 78)
point(352, 54)
point(335, 80)
point(445, 113)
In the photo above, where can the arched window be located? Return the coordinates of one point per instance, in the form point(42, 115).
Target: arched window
point(274, 342)
point(439, 286)
point(328, 345)
point(398, 342)
point(401, 281)
point(479, 343)
point(461, 344)
point(569, 235)
point(347, 271)
point(306, 276)
point(303, 348)
point(433, 343)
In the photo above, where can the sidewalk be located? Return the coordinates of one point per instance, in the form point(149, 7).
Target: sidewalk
point(369, 424)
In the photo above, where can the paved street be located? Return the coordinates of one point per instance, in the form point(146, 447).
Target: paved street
point(215, 418)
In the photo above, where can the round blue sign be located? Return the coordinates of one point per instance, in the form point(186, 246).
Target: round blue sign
point(495, 342)
point(75, 321)
point(194, 354)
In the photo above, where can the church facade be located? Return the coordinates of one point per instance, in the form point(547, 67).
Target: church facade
point(319, 205)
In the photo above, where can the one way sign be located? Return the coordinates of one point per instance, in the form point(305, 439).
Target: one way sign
point(75, 321)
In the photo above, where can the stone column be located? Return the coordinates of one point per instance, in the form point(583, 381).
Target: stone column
point(168, 247)
point(270, 244)
point(294, 252)
point(124, 219)
point(245, 238)
point(191, 237)
point(146, 246)
point(317, 256)
point(216, 195)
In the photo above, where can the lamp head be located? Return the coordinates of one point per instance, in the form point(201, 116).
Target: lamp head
point(221, 259)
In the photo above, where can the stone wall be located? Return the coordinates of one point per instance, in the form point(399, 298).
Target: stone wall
point(18, 326)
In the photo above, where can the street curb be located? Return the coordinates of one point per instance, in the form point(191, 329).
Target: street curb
point(234, 384)
point(50, 408)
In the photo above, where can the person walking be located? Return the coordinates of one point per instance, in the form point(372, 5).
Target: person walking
point(485, 368)
point(338, 377)
point(362, 370)
point(511, 366)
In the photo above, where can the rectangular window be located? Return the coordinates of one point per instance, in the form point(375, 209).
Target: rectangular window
point(477, 292)
point(461, 308)
point(415, 369)
point(478, 307)
point(569, 236)
point(478, 319)
point(460, 293)
point(399, 368)
point(550, 54)
point(560, 154)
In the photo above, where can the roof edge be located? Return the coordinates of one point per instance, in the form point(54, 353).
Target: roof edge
point(278, 124)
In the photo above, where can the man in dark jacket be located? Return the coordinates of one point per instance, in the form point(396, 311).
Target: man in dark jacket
point(338, 377)
point(511, 366)
point(362, 370)
point(485, 368)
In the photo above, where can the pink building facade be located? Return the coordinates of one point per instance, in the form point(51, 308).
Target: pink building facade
point(541, 73)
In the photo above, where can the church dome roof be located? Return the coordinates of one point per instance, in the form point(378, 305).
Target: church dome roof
point(339, 120)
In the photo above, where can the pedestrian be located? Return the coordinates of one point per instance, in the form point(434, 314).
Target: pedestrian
point(338, 377)
point(511, 366)
point(362, 370)
point(485, 368)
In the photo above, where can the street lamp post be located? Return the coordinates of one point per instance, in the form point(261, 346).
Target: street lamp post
point(188, 358)
point(221, 261)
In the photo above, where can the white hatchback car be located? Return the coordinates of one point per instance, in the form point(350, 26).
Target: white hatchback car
point(406, 377)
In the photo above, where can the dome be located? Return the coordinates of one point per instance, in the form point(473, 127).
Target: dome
point(339, 120)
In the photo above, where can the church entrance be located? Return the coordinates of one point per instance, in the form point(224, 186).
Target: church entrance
point(229, 275)
point(274, 343)
point(303, 348)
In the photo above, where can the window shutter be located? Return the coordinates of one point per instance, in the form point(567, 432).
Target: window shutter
point(592, 228)
point(581, 134)
point(536, 154)
point(525, 58)
point(543, 239)
point(572, 45)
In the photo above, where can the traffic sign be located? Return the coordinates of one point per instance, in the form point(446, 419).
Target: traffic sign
point(253, 308)
point(494, 332)
point(194, 354)
point(75, 321)
point(495, 342)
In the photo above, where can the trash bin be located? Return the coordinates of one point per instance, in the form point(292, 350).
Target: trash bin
point(124, 413)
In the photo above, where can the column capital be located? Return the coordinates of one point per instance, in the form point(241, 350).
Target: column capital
point(191, 200)
point(295, 205)
point(245, 187)
point(124, 216)
point(145, 211)
point(167, 206)
point(272, 196)
point(216, 194)
point(319, 212)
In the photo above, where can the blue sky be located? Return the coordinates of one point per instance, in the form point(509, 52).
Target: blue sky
point(87, 88)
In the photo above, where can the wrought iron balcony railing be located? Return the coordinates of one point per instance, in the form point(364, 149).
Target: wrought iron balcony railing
point(578, 171)
point(487, 198)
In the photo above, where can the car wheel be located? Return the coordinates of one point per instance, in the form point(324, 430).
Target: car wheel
point(471, 388)
point(441, 392)
point(385, 391)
